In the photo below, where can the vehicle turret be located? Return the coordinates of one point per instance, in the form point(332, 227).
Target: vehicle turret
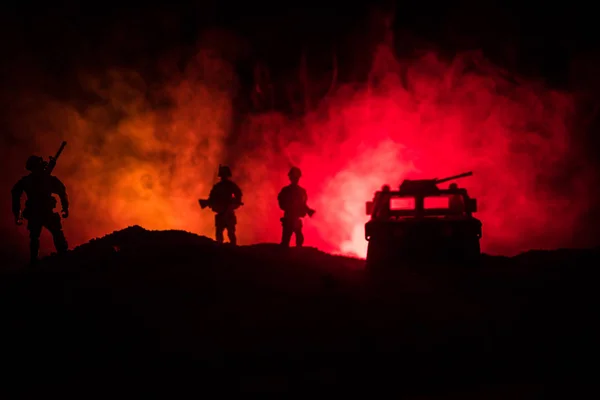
point(427, 186)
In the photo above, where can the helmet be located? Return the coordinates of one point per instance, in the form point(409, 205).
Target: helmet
point(385, 188)
point(224, 171)
point(453, 186)
point(34, 163)
point(295, 173)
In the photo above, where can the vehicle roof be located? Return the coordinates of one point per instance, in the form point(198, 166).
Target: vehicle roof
point(428, 219)
point(427, 193)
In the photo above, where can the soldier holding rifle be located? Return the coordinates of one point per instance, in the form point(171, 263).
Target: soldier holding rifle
point(39, 187)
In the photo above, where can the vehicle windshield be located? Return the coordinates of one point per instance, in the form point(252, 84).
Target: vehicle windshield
point(436, 202)
point(433, 206)
point(402, 203)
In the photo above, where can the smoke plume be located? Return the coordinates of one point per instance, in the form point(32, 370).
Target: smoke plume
point(143, 153)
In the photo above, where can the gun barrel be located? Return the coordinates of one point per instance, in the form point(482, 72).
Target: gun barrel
point(60, 150)
point(451, 178)
point(53, 160)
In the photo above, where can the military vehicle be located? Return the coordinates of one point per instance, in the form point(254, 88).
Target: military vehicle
point(420, 222)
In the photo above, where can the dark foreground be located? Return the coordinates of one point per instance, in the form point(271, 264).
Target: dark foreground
point(170, 313)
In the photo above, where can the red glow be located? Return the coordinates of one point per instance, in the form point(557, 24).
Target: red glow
point(435, 202)
point(447, 121)
point(402, 203)
point(129, 162)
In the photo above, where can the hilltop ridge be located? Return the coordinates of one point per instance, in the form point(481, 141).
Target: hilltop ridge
point(261, 318)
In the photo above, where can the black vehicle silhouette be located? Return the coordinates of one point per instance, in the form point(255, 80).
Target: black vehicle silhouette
point(421, 223)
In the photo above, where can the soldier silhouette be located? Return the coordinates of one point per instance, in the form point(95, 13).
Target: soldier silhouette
point(293, 201)
point(224, 198)
point(39, 186)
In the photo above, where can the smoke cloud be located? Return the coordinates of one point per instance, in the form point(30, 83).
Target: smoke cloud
point(143, 153)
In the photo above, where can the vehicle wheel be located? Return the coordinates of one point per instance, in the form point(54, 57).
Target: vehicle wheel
point(375, 256)
point(473, 253)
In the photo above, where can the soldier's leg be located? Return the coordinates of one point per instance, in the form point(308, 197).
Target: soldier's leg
point(54, 225)
point(286, 232)
point(231, 224)
point(219, 226)
point(35, 230)
point(219, 234)
point(298, 233)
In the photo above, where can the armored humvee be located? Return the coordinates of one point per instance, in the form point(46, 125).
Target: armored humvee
point(422, 223)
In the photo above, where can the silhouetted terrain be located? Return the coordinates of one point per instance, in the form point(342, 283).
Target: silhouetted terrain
point(169, 310)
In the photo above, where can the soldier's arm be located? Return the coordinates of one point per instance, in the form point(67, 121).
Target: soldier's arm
point(237, 193)
point(60, 189)
point(305, 199)
point(212, 194)
point(17, 192)
point(280, 199)
point(309, 210)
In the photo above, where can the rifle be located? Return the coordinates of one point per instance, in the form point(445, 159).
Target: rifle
point(52, 163)
point(205, 203)
point(49, 167)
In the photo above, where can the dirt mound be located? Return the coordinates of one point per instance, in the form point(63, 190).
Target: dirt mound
point(259, 318)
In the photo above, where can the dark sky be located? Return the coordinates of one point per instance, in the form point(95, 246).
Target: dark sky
point(537, 38)
point(45, 43)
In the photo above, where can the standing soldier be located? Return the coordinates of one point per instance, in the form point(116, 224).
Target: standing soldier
point(39, 186)
point(224, 198)
point(293, 201)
